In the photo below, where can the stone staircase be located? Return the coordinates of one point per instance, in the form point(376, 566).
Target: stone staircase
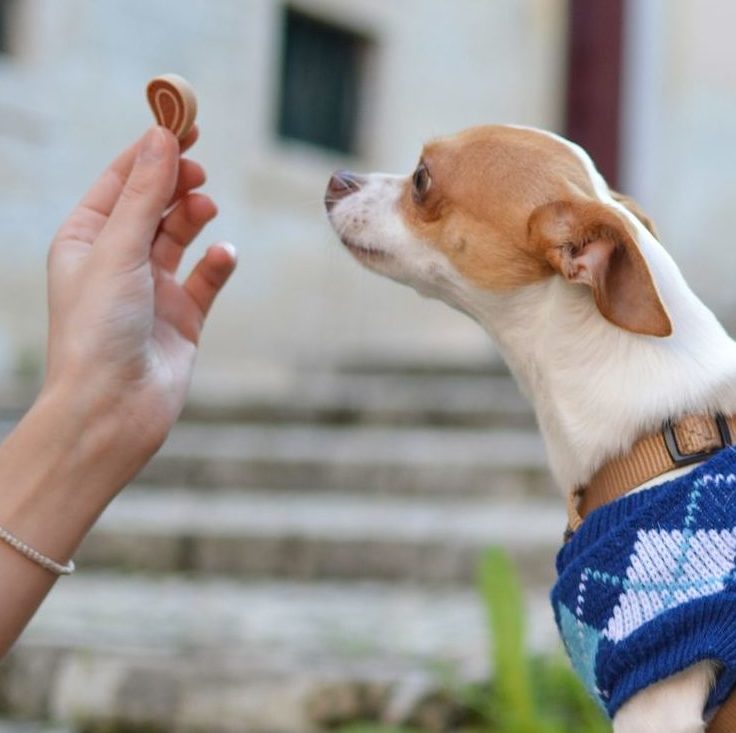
point(301, 553)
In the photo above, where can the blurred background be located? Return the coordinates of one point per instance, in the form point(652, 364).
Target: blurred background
point(302, 552)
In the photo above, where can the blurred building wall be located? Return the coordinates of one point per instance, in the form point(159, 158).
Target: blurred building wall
point(679, 128)
point(72, 94)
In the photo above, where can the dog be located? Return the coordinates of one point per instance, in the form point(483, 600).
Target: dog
point(516, 228)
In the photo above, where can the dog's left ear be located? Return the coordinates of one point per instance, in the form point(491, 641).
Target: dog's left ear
point(588, 242)
point(635, 209)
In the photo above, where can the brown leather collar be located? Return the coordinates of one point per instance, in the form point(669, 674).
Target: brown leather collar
point(689, 440)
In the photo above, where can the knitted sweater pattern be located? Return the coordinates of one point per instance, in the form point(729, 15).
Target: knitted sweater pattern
point(647, 586)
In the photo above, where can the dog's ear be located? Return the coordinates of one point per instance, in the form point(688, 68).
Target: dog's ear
point(591, 243)
point(635, 209)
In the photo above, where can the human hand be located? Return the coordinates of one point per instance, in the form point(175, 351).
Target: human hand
point(123, 331)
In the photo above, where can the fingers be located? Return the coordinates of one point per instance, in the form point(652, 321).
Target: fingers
point(191, 175)
point(129, 231)
point(85, 224)
point(210, 275)
point(191, 137)
point(106, 190)
point(179, 228)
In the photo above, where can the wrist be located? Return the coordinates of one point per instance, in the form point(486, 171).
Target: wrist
point(85, 431)
point(81, 424)
point(57, 473)
point(101, 422)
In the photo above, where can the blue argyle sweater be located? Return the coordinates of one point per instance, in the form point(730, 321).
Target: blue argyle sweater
point(647, 585)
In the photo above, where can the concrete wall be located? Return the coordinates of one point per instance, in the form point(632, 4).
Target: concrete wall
point(680, 124)
point(71, 94)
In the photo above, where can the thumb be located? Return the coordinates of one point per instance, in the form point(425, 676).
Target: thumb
point(132, 224)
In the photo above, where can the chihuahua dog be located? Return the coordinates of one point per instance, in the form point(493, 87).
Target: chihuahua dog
point(516, 228)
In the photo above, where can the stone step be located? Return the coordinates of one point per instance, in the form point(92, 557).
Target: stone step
point(418, 362)
point(474, 400)
point(225, 656)
point(379, 394)
point(380, 459)
point(321, 535)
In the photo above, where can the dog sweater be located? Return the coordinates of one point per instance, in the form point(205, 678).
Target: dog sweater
point(647, 585)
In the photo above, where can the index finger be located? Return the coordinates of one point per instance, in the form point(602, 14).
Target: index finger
point(106, 190)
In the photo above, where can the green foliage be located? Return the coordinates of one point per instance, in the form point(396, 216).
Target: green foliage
point(372, 728)
point(29, 366)
point(112, 726)
point(529, 694)
point(510, 702)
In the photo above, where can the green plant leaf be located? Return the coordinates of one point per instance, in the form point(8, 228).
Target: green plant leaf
point(376, 728)
point(505, 613)
point(528, 696)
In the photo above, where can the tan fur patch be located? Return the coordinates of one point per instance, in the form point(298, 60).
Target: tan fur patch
point(486, 182)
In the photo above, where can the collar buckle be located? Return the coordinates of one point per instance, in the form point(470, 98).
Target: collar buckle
point(680, 459)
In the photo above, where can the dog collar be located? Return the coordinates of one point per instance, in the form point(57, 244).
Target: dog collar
point(680, 443)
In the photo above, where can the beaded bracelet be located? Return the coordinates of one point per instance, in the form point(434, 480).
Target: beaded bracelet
point(35, 555)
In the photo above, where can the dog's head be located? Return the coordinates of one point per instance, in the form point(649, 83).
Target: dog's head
point(497, 208)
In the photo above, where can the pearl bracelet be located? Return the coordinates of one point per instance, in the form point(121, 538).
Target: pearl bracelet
point(35, 555)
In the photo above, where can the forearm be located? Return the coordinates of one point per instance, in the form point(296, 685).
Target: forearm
point(56, 477)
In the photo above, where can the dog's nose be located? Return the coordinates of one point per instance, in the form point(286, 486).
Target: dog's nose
point(342, 184)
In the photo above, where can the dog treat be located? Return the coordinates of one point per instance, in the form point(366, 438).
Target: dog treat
point(173, 102)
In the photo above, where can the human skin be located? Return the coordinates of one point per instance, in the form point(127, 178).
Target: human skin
point(123, 335)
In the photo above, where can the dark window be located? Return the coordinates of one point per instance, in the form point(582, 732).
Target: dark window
point(320, 83)
point(7, 8)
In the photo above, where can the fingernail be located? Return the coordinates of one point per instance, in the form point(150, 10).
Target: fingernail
point(153, 145)
point(230, 249)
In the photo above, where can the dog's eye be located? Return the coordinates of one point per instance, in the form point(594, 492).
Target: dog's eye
point(421, 181)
